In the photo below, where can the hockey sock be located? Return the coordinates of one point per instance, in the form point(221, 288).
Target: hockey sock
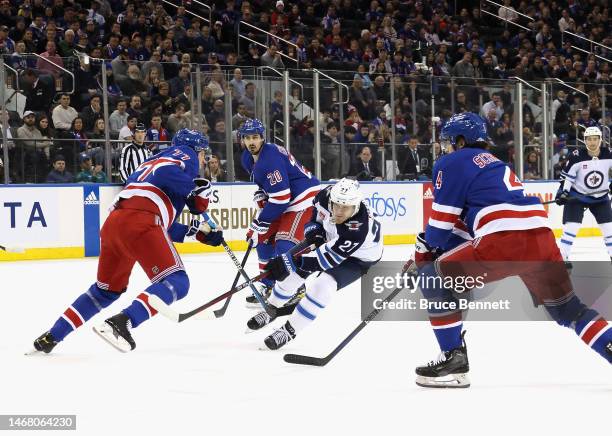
point(83, 309)
point(596, 333)
point(284, 290)
point(589, 325)
point(171, 289)
point(606, 229)
point(447, 329)
point(318, 295)
point(570, 230)
point(265, 252)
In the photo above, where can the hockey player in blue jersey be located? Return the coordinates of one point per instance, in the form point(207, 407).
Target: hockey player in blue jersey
point(585, 180)
point(141, 228)
point(285, 194)
point(349, 242)
point(511, 238)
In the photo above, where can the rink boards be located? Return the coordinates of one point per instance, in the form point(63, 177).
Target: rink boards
point(63, 221)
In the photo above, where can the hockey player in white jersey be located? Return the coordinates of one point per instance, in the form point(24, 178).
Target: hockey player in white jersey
point(348, 239)
point(585, 184)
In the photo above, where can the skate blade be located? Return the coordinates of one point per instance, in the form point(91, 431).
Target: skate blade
point(451, 381)
point(33, 352)
point(103, 333)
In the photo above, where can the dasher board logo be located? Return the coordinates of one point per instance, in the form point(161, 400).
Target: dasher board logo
point(91, 199)
point(428, 195)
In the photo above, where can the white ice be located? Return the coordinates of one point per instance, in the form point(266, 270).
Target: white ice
point(209, 378)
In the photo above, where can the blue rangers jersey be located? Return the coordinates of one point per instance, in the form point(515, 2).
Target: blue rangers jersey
point(587, 177)
point(360, 237)
point(166, 179)
point(290, 187)
point(484, 192)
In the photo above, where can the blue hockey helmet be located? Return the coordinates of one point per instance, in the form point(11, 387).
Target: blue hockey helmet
point(252, 126)
point(467, 124)
point(191, 138)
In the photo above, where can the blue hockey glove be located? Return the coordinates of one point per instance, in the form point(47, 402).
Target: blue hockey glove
point(257, 231)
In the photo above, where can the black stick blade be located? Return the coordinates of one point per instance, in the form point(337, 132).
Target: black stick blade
point(305, 360)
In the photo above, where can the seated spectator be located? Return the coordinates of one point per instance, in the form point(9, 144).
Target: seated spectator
point(133, 84)
point(126, 133)
point(272, 57)
point(53, 58)
point(113, 89)
point(63, 114)
point(92, 112)
point(412, 166)
point(177, 84)
point(47, 133)
point(163, 97)
point(238, 84)
point(532, 167)
point(495, 104)
point(217, 138)
point(90, 173)
point(178, 120)
point(364, 168)
point(213, 171)
point(34, 160)
point(157, 135)
point(330, 152)
point(59, 174)
point(248, 99)
point(135, 108)
point(217, 84)
point(118, 119)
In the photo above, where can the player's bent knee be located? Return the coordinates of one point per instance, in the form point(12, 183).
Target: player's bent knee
point(103, 297)
point(322, 288)
point(178, 284)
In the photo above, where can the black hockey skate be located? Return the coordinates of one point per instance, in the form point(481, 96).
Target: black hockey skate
point(116, 331)
point(259, 321)
point(448, 371)
point(253, 303)
point(280, 337)
point(45, 343)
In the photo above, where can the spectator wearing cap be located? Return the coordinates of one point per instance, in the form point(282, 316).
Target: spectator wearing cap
point(63, 114)
point(133, 154)
point(90, 173)
point(59, 174)
point(33, 158)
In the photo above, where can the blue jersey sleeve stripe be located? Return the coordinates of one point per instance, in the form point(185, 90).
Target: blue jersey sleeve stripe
point(322, 260)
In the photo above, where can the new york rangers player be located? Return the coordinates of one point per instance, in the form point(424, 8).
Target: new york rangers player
point(141, 228)
point(349, 243)
point(585, 184)
point(285, 194)
point(511, 238)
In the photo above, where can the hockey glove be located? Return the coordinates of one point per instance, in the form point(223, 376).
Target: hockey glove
point(260, 198)
point(423, 253)
point(204, 234)
point(198, 198)
point(562, 197)
point(257, 232)
point(281, 266)
point(314, 233)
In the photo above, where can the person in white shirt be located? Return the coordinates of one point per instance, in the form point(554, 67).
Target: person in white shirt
point(127, 132)
point(64, 114)
point(118, 118)
point(507, 12)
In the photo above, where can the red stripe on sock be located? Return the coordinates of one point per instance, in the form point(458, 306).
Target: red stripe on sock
point(440, 321)
point(145, 299)
point(595, 328)
point(76, 319)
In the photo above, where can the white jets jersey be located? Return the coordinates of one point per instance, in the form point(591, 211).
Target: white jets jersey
point(588, 175)
point(359, 237)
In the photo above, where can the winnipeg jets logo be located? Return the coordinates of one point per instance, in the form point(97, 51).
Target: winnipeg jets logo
point(594, 179)
point(353, 225)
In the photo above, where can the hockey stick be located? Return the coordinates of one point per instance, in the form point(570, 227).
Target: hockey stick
point(12, 249)
point(165, 310)
point(220, 312)
point(300, 359)
point(576, 198)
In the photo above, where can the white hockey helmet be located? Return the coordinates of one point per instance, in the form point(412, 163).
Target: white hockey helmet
point(592, 131)
point(347, 193)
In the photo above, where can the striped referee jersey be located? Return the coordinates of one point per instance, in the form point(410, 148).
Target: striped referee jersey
point(132, 155)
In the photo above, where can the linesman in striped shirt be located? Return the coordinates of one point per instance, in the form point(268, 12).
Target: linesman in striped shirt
point(133, 154)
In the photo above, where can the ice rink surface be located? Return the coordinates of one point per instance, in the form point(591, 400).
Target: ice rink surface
point(208, 378)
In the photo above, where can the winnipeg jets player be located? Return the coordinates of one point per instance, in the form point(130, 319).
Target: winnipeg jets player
point(586, 181)
point(349, 242)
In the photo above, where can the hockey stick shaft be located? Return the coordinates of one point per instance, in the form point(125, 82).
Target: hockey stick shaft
point(11, 249)
point(322, 361)
point(575, 198)
point(219, 313)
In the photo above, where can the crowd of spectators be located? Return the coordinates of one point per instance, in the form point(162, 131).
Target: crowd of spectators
point(452, 50)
